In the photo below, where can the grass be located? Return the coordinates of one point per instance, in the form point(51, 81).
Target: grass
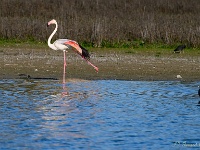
point(127, 47)
point(21, 43)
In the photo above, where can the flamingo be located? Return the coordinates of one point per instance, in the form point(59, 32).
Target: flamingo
point(65, 44)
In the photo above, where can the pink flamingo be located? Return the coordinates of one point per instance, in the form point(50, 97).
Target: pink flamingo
point(64, 44)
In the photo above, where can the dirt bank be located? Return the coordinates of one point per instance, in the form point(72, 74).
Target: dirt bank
point(124, 65)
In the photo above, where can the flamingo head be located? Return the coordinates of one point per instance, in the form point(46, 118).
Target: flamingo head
point(51, 22)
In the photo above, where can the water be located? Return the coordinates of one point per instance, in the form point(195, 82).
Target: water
point(100, 114)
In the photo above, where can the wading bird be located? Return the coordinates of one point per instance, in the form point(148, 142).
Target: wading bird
point(65, 44)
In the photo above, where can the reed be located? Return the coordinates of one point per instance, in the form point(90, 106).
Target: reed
point(103, 23)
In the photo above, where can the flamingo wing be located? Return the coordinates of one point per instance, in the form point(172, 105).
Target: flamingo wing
point(78, 48)
point(59, 44)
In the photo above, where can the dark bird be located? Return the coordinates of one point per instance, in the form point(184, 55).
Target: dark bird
point(199, 91)
point(179, 49)
point(199, 96)
point(28, 77)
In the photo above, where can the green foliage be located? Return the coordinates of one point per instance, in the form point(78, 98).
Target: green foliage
point(22, 43)
point(127, 46)
point(86, 44)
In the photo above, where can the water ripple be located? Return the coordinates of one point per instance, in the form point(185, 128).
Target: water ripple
point(99, 115)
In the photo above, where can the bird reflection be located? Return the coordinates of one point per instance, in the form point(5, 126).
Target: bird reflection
point(65, 91)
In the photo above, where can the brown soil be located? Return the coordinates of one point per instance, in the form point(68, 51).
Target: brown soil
point(46, 63)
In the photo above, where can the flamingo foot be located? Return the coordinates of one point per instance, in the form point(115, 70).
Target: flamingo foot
point(65, 93)
point(97, 69)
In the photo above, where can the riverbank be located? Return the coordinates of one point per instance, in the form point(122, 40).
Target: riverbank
point(114, 64)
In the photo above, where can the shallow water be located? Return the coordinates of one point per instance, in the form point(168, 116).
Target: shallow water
point(102, 114)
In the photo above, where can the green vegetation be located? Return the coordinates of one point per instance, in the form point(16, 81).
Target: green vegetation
point(22, 43)
point(129, 47)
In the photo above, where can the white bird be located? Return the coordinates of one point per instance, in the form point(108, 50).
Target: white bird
point(64, 44)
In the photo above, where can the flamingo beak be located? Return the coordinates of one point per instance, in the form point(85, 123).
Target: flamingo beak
point(47, 24)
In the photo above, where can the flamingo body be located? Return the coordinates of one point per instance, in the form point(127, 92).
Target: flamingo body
point(59, 44)
point(65, 44)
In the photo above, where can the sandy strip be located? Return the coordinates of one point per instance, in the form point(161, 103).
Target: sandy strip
point(112, 65)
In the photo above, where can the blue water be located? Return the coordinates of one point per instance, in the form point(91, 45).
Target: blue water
point(100, 114)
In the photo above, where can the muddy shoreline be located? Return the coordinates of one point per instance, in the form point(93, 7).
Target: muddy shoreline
point(114, 65)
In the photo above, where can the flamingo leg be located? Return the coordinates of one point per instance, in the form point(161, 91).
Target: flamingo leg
point(64, 93)
point(95, 67)
point(64, 67)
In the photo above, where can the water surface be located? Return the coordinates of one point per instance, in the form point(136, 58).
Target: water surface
point(102, 114)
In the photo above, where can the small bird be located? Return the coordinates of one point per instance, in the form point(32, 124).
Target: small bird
point(65, 44)
point(179, 49)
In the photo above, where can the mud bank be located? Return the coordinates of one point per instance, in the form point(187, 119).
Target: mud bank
point(45, 63)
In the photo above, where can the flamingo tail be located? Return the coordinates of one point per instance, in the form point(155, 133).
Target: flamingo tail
point(85, 53)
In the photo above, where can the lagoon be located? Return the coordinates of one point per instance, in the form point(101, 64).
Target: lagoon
point(99, 114)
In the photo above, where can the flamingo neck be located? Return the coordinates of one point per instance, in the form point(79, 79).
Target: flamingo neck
point(50, 37)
